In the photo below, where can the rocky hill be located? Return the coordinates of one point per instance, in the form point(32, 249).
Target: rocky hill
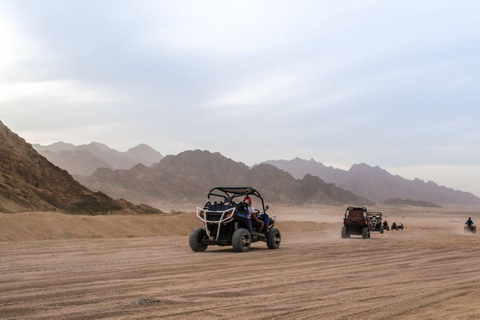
point(189, 176)
point(29, 182)
point(86, 159)
point(376, 183)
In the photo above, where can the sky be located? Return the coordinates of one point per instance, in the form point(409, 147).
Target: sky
point(388, 83)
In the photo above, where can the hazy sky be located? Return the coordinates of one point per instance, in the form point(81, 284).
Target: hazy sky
point(389, 83)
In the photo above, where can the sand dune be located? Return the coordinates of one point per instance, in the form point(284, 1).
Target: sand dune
point(428, 271)
point(52, 225)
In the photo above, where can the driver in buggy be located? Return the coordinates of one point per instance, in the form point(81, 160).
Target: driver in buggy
point(248, 201)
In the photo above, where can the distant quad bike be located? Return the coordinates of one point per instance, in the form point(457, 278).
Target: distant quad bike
point(397, 226)
point(356, 222)
point(228, 222)
point(470, 229)
point(386, 226)
point(376, 223)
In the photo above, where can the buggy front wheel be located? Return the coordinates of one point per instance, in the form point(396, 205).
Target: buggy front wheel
point(196, 240)
point(241, 240)
point(273, 238)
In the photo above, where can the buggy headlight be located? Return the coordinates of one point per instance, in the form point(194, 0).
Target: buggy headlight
point(229, 215)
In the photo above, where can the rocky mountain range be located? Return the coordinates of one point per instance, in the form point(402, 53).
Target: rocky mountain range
point(29, 182)
point(376, 183)
point(139, 175)
point(86, 159)
point(189, 176)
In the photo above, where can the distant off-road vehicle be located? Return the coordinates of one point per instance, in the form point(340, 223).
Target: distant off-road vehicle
point(376, 223)
point(397, 226)
point(470, 229)
point(229, 221)
point(356, 222)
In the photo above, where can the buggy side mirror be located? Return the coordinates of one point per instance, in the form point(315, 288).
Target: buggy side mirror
point(267, 207)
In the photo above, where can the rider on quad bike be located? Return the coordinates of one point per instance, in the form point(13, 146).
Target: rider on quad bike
point(385, 225)
point(469, 222)
point(469, 226)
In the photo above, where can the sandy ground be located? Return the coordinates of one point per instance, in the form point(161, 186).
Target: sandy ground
point(431, 270)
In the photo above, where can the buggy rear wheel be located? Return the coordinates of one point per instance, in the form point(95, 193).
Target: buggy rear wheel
point(273, 238)
point(196, 240)
point(241, 240)
point(344, 232)
point(365, 233)
point(381, 229)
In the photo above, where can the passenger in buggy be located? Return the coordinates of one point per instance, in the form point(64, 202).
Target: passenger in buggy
point(260, 224)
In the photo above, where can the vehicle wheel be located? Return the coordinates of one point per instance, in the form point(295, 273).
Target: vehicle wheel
point(381, 229)
point(474, 231)
point(364, 233)
point(273, 238)
point(344, 232)
point(241, 240)
point(196, 239)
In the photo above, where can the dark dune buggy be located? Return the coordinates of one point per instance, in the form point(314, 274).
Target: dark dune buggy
point(376, 223)
point(356, 222)
point(229, 223)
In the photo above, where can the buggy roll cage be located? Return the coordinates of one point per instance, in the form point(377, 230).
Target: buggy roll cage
point(378, 218)
point(230, 193)
point(374, 214)
point(227, 215)
point(364, 209)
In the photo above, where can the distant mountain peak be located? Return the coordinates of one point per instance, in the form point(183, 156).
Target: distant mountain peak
point(96, 155)
point(361, 165)
point(142, 146)
point(101, 146)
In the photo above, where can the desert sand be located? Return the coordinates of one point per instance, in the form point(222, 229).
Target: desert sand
point(56, 266)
